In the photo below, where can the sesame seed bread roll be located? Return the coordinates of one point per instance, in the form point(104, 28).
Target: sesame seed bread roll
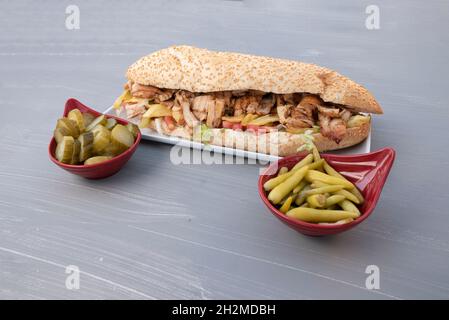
point(201, 70)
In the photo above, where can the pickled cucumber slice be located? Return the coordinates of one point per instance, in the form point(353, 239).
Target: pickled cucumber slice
point(102, 138)
point(357, 121)
point(95, 160)
point(69, 126)
point(98, 120)
point(110, 123)
point(97, 129)
point(77, 116)
point(86, 145)
point(126, 95)
point(88, 118)
point(156, 111)
point(264, 120)
point(144, 123)
point(111, 150)
point(60, 133)
point(133, 129)
point(64, 149)
point(76, 152)
point(121, 137)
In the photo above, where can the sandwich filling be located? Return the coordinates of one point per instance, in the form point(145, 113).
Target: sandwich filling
point(177, 112)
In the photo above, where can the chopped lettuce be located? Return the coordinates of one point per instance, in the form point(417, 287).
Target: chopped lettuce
point(307, 137)
point(206, 133)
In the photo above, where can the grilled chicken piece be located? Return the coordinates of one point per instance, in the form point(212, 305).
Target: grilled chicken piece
point(345, 115)
point(338, 129)
point(333, 128)
point(189, 117)
point(333, 122)
point(228, 100)
point(201, 116)
point(146, 92)
point(150, 92)
point(226, 96)
point(283, 112)
point(293, 117)
point(311, 100)
point(301, 117)
point(182, 99)
point(296, 117)
point(265, 105)
point(306, 108)
point(164, 95)
point(329, 112)
point(289, 98)
point(209, 108)
point(134, 109)
point(200, 105)
point(215, 112)
point(168, 103)
point(324, 125)
point(246, 104)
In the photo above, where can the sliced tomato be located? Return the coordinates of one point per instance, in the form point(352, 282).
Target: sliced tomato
point(237, 126)
point(170, 121)
point(227, 124)
point(232, 125)
point(259, 129)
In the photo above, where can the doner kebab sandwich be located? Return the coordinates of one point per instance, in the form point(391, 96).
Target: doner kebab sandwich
point(246, 102)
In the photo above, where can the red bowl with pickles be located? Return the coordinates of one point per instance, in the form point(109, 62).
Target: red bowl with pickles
point(99, 170)
point(367, 171)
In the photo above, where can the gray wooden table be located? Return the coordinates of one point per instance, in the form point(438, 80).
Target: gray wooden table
point(158, 230)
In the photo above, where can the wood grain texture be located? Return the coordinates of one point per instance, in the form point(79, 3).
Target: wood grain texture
point(160, 231)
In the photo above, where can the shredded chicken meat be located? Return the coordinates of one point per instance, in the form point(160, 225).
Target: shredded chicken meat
point(301, 115)
point(333, 128)
point(182, 99)
point(332, 122)
point(266, 105)
point(201, 105)
point(134, 110)
point(295, 111)
point(215, 112)
point(150, 92)
point(246, 104)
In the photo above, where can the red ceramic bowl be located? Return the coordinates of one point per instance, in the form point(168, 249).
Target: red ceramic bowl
point(99, 170)
point(367, 171)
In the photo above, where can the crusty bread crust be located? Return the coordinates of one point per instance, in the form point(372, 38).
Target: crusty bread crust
point(281, 143)
point(353, 136)
point(201, 70)
point(278, 143)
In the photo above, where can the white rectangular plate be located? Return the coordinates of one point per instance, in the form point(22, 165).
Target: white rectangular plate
point(148, 134)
